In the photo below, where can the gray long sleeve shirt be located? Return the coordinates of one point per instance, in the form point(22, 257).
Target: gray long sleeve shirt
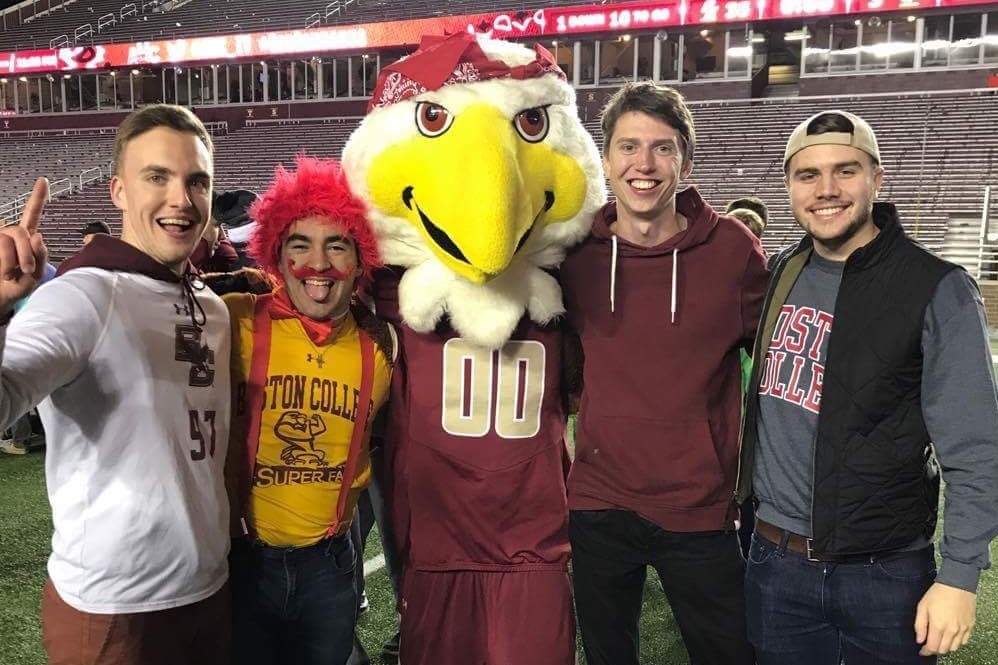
point(959, 404)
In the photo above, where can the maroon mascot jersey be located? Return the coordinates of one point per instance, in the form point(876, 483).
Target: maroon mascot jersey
point(476, 443)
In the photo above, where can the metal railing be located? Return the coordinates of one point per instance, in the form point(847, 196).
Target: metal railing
point(106, 20)
point(972, 244)
point(87, 175)
point(987, 248)
point(85, 30)
point(60, 186)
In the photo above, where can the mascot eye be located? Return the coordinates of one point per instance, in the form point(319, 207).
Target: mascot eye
point(432, 120)
point(532, 124)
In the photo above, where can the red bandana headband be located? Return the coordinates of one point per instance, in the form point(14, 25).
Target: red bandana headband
point(457, 58)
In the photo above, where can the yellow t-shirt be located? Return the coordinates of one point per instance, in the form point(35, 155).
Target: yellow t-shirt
point(310, 404)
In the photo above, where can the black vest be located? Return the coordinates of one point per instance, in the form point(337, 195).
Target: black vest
point(875, 483)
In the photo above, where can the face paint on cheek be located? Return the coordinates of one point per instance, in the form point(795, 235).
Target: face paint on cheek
point(306, 272)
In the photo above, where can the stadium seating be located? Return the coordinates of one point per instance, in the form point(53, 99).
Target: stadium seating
point(62, 157)
point(37, 32)
point(739, 152)
point(140, 20)
point(937, 151)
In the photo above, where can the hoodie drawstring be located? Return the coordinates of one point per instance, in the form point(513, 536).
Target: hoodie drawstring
point(613, 271)
point(188, 286)
point(613, 276)
point(675, 272)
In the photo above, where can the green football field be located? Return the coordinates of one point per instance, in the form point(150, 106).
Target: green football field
point(25, 528)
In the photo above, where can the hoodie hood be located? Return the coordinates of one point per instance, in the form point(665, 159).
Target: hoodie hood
point(116, 255)
point(701, 218)
point(701, 221)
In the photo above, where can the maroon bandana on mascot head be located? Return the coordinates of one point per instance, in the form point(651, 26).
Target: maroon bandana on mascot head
point(317, 188)
point(456, 58)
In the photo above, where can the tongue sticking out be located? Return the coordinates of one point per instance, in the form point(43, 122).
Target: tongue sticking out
point(317, 283)
point(318, 291)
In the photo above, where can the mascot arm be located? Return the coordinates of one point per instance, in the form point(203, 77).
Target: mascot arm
point(572, 363)
point(385, 293)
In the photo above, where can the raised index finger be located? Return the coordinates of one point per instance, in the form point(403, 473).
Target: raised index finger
point(32, 214)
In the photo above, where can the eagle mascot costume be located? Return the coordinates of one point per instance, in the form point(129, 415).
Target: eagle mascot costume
point(477, 175)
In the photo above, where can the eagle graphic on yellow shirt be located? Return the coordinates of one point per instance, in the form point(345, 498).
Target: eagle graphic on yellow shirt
point(299, 431)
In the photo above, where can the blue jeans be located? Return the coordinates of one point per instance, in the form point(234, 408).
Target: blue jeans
point(293, 605)
point(862, 613)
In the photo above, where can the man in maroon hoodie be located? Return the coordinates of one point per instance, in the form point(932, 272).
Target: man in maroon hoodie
point(663, 295)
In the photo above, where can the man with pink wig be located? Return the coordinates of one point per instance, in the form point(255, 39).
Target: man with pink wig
point(311, 366)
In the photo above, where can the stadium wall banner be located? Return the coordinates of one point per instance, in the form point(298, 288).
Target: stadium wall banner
point(546, 22)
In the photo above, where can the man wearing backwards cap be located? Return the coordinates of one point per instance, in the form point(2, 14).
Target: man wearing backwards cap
point(876, 364)
point(310, 370)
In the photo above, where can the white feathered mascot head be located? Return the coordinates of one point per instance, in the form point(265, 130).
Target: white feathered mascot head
point(477, 174)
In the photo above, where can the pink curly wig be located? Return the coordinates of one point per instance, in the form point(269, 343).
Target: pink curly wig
point(317, 188)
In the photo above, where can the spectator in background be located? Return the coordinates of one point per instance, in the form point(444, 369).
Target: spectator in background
point(753, 203)
point(215, 252)
point(231, 209)
point(751, 212)
point(749, 218)
point(93, 229)
point(230, 269)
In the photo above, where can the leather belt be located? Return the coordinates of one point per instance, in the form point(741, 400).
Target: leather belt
point(803, 545)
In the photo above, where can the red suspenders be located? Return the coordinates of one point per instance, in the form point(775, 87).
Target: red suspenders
point(262, 323)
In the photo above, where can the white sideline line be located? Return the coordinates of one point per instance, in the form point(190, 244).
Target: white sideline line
point(372, 566)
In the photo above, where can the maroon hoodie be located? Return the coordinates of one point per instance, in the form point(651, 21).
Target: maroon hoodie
point(661, 328)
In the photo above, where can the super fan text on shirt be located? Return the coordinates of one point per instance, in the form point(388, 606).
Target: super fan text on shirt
point(794, 368)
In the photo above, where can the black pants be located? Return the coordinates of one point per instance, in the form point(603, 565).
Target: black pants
point(702, 575)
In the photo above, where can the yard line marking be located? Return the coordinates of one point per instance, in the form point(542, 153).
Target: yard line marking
point(372, 566)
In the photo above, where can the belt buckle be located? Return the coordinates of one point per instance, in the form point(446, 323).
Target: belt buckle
point(809, 546)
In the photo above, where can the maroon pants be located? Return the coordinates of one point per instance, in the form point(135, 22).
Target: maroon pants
point(464, 617)
point(196, 634)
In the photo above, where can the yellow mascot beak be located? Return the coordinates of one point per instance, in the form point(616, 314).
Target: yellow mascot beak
point(476, 185)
